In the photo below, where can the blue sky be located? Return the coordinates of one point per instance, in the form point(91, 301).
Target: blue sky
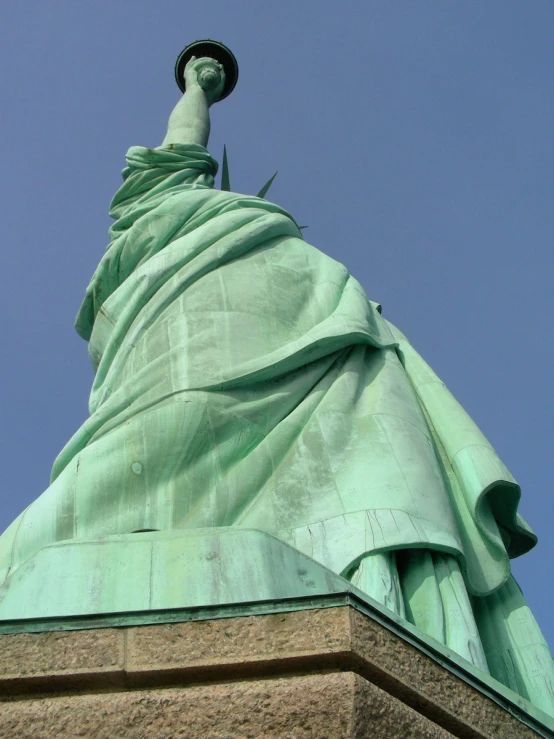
point(413, 137)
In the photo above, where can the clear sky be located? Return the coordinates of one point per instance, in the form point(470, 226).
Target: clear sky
point(411, 136)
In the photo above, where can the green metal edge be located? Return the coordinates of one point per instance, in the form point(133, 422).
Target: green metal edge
point(517, 706)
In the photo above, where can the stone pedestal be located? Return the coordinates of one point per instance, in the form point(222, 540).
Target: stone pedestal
point(326, 667)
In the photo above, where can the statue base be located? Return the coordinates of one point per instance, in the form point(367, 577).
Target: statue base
point(160, 570)
point(324, 669)
point(225, 633)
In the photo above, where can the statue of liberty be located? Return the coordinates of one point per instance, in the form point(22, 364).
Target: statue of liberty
point(244, 379)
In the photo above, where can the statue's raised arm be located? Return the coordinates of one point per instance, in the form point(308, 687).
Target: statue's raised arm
point(189, 123)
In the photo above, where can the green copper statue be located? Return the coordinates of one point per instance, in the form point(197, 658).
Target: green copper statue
point(243, 379)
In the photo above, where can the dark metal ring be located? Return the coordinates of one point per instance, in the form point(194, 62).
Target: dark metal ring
point(213, 50)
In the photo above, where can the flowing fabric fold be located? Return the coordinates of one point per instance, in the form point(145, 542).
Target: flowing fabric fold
point(484, 493)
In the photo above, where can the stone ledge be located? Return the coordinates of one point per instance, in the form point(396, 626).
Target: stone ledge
point(114, 669)
point(59, 652)
point(332, 706)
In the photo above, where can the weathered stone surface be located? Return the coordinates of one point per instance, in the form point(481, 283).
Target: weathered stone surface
point(237, 640)
point(308, 673)
point(60, 652)
point(421, 682)
point(377, 714)
point(334, 706)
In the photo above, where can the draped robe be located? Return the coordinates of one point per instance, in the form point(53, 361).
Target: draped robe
point(243, 378)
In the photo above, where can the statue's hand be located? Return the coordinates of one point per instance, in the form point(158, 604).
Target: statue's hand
point(206, 74)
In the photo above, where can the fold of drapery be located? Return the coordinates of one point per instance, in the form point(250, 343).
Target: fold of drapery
point(207, 299)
